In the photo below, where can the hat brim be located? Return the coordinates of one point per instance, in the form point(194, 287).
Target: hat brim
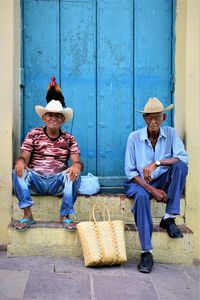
point(156, 111)
point(66, 112)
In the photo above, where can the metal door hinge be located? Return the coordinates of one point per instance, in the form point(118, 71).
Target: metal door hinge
point(21, 77)
point(172, 83)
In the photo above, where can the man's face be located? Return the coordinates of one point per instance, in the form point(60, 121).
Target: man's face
point(53, 120)
point(154, 121)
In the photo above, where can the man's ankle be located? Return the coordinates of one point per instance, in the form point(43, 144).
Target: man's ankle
point(28, 213)
point(167, 216)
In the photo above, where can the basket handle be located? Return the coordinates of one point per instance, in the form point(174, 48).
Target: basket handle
point(94, 208)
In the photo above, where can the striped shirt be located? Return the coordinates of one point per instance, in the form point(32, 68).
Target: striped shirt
point(49, 155)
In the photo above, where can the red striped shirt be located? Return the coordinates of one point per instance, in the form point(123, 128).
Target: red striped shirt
point(49, 156)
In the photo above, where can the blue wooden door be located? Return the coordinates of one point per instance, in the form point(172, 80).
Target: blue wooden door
point(109, 56)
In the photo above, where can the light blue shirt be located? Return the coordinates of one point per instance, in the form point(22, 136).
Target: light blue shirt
point(140, 153)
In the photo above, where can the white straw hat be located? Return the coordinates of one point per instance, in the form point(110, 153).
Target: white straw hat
point(54, 106)
point(154, 105)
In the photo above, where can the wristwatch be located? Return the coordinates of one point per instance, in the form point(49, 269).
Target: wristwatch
point(157, 162)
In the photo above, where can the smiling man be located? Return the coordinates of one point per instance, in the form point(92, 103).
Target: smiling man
point(42, 167)
point(156, 167)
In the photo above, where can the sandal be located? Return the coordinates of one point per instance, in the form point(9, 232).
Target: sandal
point(24, 220)
point(68, 225)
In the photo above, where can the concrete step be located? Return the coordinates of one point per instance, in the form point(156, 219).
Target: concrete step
point(47, 208)
point(50, 239)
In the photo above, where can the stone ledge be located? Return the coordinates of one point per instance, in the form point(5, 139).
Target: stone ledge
point(47, 208)
point(127, 227)
point(50, 239)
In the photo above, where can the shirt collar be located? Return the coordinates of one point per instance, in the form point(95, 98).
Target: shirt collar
point(144, 135)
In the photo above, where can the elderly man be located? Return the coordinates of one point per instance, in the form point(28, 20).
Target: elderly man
point(42, 167)
point(156, 167)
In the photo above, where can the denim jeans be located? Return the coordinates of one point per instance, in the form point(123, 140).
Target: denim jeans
point(32, 183)
point(172, 182)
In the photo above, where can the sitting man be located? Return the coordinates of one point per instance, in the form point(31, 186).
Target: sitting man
point(156, 167)
point(42, 167)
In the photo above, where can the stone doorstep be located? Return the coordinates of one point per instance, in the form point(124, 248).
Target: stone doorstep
point(50, 239)
point(47, 208)
point(127, 227)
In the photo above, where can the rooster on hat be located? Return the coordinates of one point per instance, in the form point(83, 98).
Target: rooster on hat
point(54, 92)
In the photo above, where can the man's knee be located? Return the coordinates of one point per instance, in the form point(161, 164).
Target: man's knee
point(141, 199)
point(142, 194)
point(181, 166)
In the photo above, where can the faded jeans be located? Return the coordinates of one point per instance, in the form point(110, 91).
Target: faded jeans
point(172, 182)
point(32, 183)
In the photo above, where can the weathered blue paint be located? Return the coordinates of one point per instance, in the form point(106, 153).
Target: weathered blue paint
point(114, 84)
point(41, 55)
point(109, 56)
point(78, 73)
point(153, 53)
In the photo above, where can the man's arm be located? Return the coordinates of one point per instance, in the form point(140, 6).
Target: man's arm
point(130, 159)
point(75, 158)
point(158, 194)
point(22, 162)
point(151, 167)
point(76, 167)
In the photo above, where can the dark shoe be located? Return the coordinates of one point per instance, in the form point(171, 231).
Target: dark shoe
point(146, 262)
point(172, 230)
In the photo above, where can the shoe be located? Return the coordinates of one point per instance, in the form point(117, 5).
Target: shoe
point(146, 262)
point(171, 228)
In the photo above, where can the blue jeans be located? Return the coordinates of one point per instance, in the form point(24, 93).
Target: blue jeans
point(33, 183)
point(172, 182)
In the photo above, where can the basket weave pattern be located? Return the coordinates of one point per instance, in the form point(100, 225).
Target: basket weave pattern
point(103, 242)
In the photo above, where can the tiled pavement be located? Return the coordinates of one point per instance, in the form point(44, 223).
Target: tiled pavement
point(67, 278)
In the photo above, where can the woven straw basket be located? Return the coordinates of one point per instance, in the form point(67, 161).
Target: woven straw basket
point(103, 242)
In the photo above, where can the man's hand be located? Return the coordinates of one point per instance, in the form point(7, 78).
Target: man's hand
point(74, 171)
point(159, 195)
point(148, 171)
point(20, 166)
point(22, 163)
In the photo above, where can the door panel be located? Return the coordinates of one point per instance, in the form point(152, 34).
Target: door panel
point(114, 84)
point(78, 73)
point(153, 54)
point(41, 55)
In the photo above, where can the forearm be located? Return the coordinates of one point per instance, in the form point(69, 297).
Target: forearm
point(77, 161)
point(21, 163)
point(76, 167)
point(143, 183)
point(24, 156)
point(168, 162)
point(158, 194)
point(147, 171)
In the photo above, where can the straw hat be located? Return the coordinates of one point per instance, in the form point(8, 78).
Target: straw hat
point(154, 105)
point(55, 106)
